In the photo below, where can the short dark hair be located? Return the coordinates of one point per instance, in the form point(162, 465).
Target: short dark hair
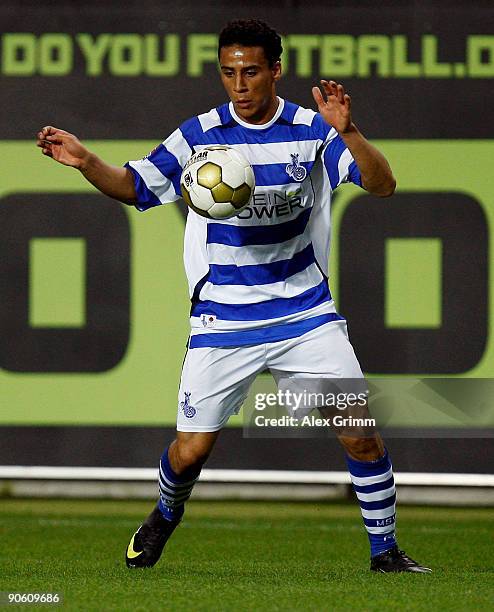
point(252, 33)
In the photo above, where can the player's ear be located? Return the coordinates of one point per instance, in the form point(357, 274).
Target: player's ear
point(276, 70)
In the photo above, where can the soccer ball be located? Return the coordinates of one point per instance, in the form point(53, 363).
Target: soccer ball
point(217, 182)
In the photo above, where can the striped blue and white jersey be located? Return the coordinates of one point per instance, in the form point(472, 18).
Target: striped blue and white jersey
point(261, 276)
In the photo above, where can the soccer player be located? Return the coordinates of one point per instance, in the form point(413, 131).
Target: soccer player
point(261, 277)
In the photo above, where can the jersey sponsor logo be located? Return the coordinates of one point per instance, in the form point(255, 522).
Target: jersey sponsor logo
point(188, 410)
point(131, 553)
point(295, 169)
point(208, 320)
point(269, 204)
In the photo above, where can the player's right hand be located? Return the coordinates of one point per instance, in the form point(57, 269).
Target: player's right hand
point(62, 147)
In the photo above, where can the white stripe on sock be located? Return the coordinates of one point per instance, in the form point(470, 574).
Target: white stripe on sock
point(377, 495)
point(380, 514)
point(180, 485)
point(370, 480)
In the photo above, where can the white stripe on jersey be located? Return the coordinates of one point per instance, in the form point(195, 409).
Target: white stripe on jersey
point(209, 120)
point(153, 178)
point(258, 253)
point(345, 160)
point(332, 134)
point(223, 325)
point(273, 152)
point(195, 254)
point(240, 294)
point(320, 219)
point(303, 116)
point(178, 146)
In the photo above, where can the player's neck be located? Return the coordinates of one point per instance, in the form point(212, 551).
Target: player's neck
point(265, 115)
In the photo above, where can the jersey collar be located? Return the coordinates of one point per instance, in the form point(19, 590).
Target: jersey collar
point(261, 126)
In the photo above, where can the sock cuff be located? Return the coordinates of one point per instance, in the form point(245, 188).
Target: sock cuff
point(368, 468)
point(171, 514)
point(188, 478)
point(382, 542)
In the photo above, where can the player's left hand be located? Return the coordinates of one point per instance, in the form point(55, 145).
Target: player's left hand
point(335, 106)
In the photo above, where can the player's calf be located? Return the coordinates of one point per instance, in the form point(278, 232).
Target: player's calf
point(190, 450)
point(179, 470)
point(374, 487)
point(147, 543)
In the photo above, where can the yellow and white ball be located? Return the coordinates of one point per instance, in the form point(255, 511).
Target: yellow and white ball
point(217, 182)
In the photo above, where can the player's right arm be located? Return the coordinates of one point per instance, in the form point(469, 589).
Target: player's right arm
point(67, 149)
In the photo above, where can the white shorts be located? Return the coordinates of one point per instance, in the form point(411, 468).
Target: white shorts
point(216, 381)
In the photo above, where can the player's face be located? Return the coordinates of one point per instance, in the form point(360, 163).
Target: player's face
point(250, 82)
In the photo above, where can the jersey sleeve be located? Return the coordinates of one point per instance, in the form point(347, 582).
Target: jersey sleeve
point(339, 163)
point(157, 176)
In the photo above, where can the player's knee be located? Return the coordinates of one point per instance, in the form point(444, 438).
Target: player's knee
point(362, 448)
point(191, 455)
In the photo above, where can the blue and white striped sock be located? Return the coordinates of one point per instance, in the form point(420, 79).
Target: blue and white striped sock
point(174, 489)
point(374, 486)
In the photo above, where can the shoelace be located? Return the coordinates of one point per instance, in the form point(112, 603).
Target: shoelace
point(400, 554)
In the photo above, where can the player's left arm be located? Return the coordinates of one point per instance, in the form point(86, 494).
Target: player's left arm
point(335, 108)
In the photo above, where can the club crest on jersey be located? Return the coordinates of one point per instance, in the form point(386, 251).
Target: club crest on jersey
point(188, 410)
point(295, 169)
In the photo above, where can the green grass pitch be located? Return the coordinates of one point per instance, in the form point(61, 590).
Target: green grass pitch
point(244, 556)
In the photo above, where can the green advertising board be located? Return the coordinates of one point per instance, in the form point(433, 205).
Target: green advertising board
point(138, 384)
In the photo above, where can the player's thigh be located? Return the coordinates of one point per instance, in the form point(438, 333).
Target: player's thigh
point(325, 351)
point(318, 368)
point(214, 384)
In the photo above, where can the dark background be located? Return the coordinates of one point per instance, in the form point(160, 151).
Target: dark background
point(150, 108)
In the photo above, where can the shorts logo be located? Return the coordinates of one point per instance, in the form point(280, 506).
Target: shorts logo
point(295, 169)
point(208, 320)
point(188, 410)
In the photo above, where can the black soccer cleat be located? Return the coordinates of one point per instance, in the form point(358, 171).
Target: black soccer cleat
point(395, 560)
point(147, 543)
